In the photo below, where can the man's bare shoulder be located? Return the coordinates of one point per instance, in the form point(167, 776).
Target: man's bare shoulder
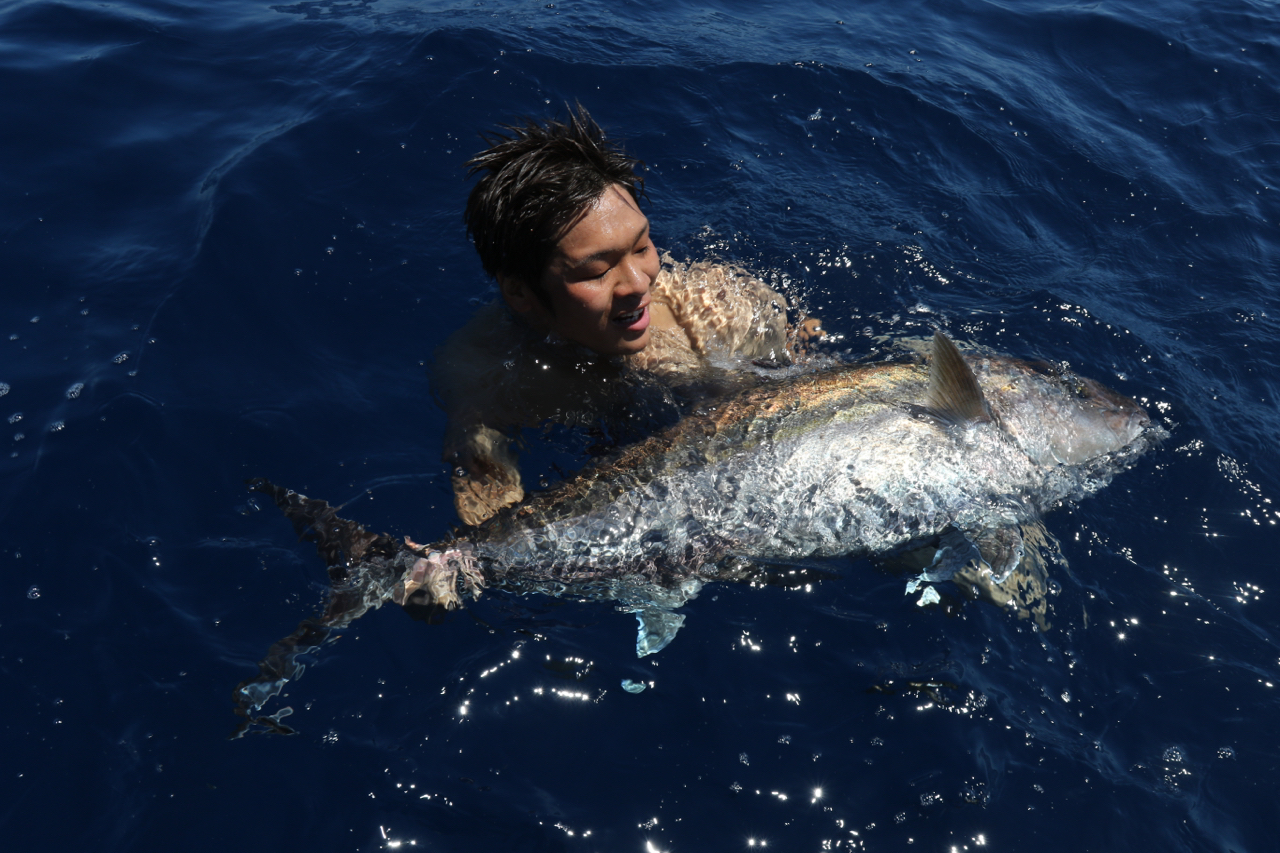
point(490, 328)
point(479, 346)
point(726, 277)
point(724, 308)
point(495, 371)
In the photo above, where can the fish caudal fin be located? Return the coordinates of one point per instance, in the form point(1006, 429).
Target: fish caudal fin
point(340, 543)
point(364, 570)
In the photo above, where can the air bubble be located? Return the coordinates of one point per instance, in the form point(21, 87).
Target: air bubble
point(33, 593)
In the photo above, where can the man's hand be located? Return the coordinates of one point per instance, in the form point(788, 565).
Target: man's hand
point(481, 488)
point(809, 329)
point(804, 336)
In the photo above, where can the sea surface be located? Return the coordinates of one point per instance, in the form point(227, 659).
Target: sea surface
point(231, 239)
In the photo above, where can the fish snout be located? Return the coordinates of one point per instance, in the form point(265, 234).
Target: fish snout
point(1122, 415)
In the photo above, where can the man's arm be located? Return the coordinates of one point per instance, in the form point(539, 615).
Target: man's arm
point(469, 378)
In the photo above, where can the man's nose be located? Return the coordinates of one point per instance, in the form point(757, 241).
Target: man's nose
point(634, 278)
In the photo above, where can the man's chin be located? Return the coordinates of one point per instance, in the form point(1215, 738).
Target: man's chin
point(631, 343)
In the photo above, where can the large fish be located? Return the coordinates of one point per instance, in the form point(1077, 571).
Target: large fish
point(858, 460)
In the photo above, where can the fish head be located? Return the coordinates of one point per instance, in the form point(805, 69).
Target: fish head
point(1060, 417)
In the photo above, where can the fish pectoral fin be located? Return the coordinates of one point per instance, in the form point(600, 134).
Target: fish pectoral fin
point(952, 552)
point(1002, 550)
point(954, 396)
point(955, 551)
point(999, 550)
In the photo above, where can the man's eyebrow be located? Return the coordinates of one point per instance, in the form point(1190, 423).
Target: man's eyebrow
point(604, 255)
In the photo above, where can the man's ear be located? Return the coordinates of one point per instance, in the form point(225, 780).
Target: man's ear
point(518, 295)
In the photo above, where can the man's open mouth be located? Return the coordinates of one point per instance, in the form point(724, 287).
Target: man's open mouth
point(631, 316)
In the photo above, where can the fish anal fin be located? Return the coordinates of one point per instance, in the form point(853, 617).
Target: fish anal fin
point(657, 629)
point(954, 396)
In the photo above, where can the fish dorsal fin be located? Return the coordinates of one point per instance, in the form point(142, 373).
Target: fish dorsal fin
point(954, 395)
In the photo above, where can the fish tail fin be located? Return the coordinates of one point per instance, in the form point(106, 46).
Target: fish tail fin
point(275, 670)
point(339, 541)
point(365, 570)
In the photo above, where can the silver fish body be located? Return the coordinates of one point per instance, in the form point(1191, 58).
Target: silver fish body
point(854, 461)
point(858, 460)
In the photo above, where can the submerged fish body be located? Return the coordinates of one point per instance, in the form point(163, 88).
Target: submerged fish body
point(857, 460)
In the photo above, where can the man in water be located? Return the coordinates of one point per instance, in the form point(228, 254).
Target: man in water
point(589, 310)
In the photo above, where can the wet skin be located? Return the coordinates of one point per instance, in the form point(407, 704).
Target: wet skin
point(598, 280)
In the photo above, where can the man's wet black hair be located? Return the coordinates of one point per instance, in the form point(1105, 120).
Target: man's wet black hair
point(535, 184)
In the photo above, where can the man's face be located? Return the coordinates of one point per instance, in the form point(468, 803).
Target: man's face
point(599, 276)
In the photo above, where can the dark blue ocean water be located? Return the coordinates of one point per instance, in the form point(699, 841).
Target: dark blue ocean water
point(230, 239)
